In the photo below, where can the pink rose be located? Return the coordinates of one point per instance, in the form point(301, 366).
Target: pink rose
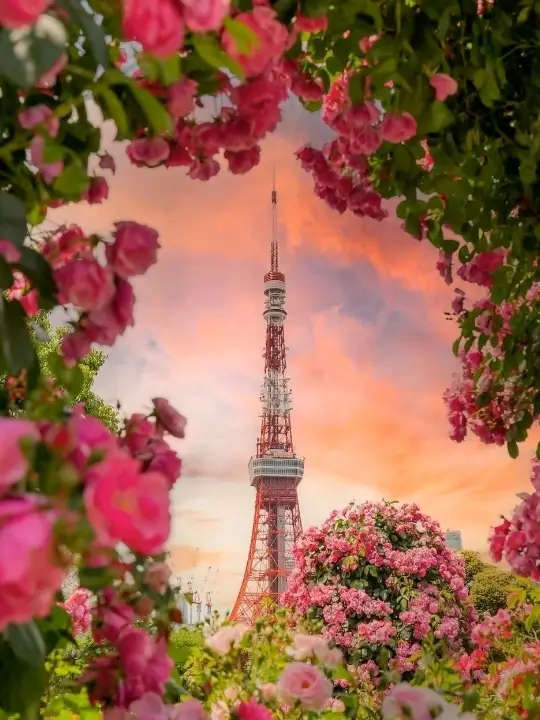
point(444, 86)
point(74, 346)
point(29, 576)
point(37, 115)
point(85, 283)
point(268, 691)
point(9, 252)
point(398, 128)
point(304, 683)
point(227, 637)
point(156, 24)
point(139, 432)
point(272, 38)
point(149, 707)
point(164, 460)
point(145, 663)
point(98, 190)
point(148, 152)
point(308, 646)
point(78, 606)
point(416, 703)
point(253, 710)
point(48, 170)
point(169, 418)
point(181, 97)
point(13, 463)
point(89, 436)
point(202, 16)
point(134, 249)
point(126, 505)
point(188, 710)
point(157, 576)
point(16, 13)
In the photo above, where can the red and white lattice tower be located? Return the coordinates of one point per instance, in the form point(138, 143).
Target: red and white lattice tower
point(275, 471)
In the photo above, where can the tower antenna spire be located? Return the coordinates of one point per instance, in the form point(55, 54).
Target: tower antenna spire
point(274, 254)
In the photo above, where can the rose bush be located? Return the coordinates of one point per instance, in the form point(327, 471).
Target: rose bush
point(376, 579)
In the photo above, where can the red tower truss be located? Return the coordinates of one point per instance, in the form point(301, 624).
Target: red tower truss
point(275, 471)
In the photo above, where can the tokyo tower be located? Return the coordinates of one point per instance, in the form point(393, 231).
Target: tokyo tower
point(275, 471)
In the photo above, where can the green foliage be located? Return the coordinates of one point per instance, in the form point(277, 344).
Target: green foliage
point(491, 587)
point(78, 382)
point(473, 565)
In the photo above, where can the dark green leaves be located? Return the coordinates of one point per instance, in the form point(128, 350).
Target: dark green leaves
point(12, 219)
point(157, 116)
point(27, 53)
point(92, 31)
point(21, 684)
point(26, 642)
point(38, 271)
point(16, 347)
point(209, 49)
point(246, 40)
point(73, 181)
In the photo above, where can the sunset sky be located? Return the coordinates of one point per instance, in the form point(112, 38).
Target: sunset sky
point(369, 355)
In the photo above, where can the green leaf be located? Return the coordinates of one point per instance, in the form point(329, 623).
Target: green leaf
point(440, 115)
point(209, 49)
point(246, 40)
point(12, 219)
point(114, 108)
point(156, 114)
point(449, 246)
point(355, 88)
point(28, 52)
point(93, 32)
point(21, 684)
point(34, 266)
point(26, 642)
point(6, 275)
point(16, 344)
point(513, 449)
point(73, 180)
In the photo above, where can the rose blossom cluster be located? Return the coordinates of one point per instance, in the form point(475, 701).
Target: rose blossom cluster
point(518, 540)
point(123, 501)
point(341, 169)
point(366, 553)
point(249, 110)
point(478, 400)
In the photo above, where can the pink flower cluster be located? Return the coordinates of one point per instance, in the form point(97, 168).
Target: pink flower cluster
point(518, 539)
point(380, 575)
point(102, 294)
point(78, 606)
point(250, 111)
point(478, 400)
point(126, 500)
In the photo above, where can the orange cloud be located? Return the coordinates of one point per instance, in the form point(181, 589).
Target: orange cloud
point(188, 557)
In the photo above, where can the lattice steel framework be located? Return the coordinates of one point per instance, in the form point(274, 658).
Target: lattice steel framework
point(275, 470)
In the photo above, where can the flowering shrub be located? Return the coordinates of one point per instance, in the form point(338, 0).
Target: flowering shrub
point(379, 576)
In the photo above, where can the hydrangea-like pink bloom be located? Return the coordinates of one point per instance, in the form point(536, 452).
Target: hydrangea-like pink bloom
point(13, 462)
point(156, 24)
point(126, 505)
point(16, 13)
point(443, 85)
point(304, 683)
point(134, 249)
point(29, 574)
point(227, 637)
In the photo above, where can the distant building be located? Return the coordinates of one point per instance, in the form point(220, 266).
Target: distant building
point(453, 540)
